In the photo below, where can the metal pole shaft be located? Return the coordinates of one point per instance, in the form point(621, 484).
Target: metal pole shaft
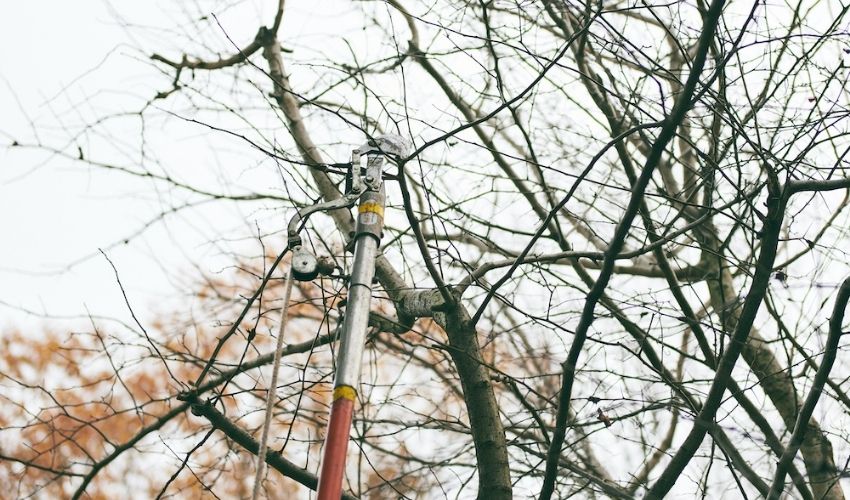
point(370, 221)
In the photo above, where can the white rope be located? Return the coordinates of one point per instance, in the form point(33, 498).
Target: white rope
point(270, 398)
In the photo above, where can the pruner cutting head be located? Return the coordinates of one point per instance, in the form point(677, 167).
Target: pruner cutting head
point(305, 266)
point(392, 145)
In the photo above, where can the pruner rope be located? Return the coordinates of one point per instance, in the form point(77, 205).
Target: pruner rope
point(270, 397)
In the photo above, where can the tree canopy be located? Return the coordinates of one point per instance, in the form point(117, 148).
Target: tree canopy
point(614, 265)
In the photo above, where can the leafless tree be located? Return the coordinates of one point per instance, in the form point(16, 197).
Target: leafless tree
point(614, 266)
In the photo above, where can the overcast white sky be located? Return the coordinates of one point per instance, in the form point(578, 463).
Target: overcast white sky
point(62, 64)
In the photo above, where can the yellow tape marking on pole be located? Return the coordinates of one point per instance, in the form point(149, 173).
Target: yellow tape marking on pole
point(371, 206)
point(345, 391)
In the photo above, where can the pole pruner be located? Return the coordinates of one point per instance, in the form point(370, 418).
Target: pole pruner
point(367, 189)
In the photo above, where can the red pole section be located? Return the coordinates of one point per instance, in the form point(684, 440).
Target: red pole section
point(336, 443)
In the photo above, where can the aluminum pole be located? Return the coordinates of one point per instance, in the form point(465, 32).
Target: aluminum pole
point(370, 222)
